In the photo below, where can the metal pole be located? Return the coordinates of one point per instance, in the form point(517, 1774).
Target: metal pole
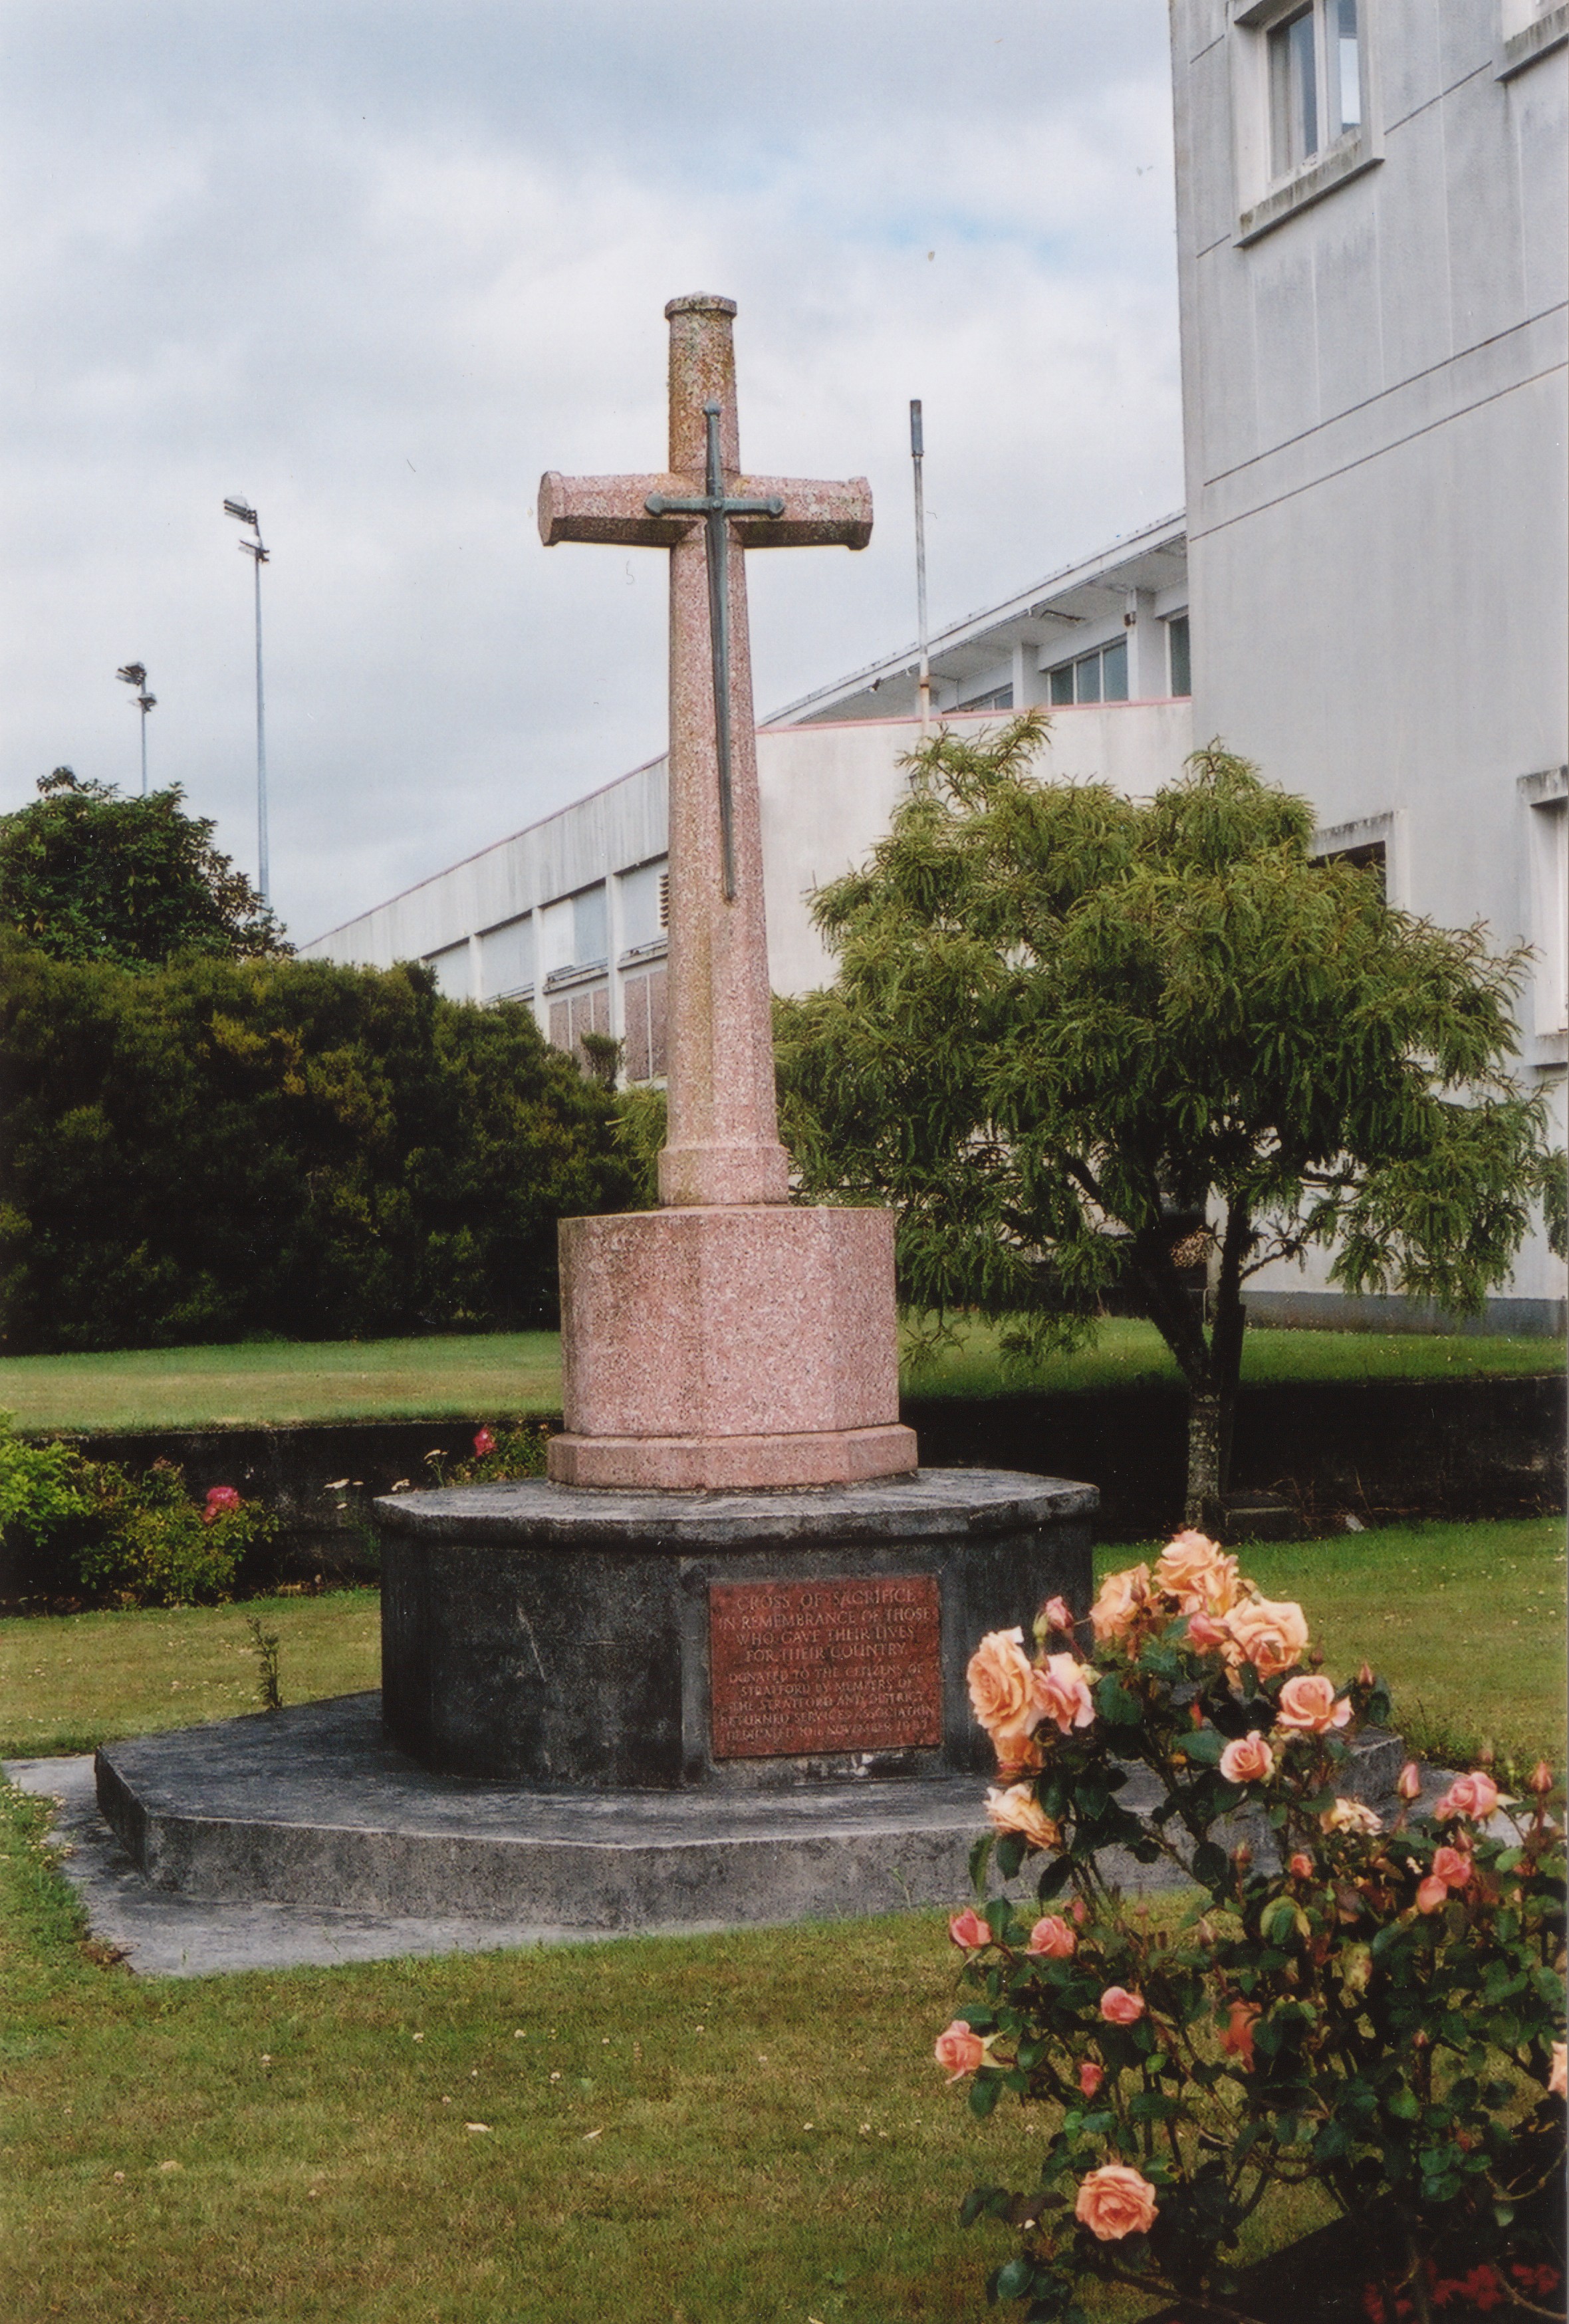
point(261, 749)
point(142, 707)
point(924, 678)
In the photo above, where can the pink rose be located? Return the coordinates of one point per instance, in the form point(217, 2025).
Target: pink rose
point(1080, 1911)
point(1115, 2201)
point(1452, 1865)
point(1409, 1783)
point(1091, 2076)
point(1301, 1866)
point(1433, 1895)
point(958, 2052)
point(1206, 1634)
point(1057, 1615)
point(1248, 1760)
point(1237, 2037)
point(220, 1500)
point(1558, 2075)
point(484, 1443)
point(1124, 1598)
point(1197, 1573)
point(1475, 1795)
point(1053, 1937)
point(1062, 1692)
point(1001, 1676)
point(1271, 1636)
point(1121, 2007)
point(968, 1930)
point(1017, 1810)
point(1307, 1706)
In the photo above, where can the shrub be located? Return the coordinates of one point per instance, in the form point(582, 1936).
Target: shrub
point(518, 1450)
point(1380, 2010)
point(152, 1545)
point(219, 1148)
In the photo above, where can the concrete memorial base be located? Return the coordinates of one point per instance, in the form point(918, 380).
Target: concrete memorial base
point(537, 1633)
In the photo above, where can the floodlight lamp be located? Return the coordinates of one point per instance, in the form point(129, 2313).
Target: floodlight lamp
point(133, 674)
point(245, 515)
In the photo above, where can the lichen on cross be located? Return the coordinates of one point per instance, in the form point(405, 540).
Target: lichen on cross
point(722, 1145)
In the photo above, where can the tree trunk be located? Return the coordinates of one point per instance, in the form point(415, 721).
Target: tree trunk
point(1205, 1508)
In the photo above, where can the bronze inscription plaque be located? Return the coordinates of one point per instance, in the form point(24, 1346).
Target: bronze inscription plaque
point(800, 1666)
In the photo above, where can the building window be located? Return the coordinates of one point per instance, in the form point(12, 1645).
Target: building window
point(1099, 677)
point(1549, 840)
point(642, 1000)
point(590, 926)
point(1178, 654)
point(451, 967)
point(573, 1014)
point(1316, 90)
point(506, 958)
point(1000, 698)
point(1373, 856)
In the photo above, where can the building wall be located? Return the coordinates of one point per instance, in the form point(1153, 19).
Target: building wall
point(1374, 354)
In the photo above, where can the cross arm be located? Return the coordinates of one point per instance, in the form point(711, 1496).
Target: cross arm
point(816, 515)
point(611, 508)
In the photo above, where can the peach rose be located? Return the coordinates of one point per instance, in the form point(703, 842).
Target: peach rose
point(1062, 1693)
point(969, 1929)
point(1197, 1573)
point(958, 2050)
point(1248, 1760)
point(1349, 1815)
point(1433, 1895)
point(1121, 2007)
point(1475, 1795)
point(1091, 2076)
point(999, 1675)
point(1307, 1706)
point(1123, 1597)
point(1017, 1808)
point(1019, 1752)
point(1053, 1937)
point(1236, 2035)
point(1115, 2201)
point(1409, 1783)
point(1558, 2075)
point(1271, 1636)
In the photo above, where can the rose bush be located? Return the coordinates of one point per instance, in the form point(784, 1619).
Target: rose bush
point(1379, 2008)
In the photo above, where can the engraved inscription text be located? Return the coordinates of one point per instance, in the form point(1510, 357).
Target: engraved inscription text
point(844, 1666)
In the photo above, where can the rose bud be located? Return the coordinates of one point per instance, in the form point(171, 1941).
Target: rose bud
point(1055, 1615)
point(1316, 1656)
point(1121, 2007)
point(958, 2050)
point(968, 1930)
point(1301, 1866)
point(1486, 1756)
point(1080, 1911)
point(1433, 1895)
point(1242, 1856)
point(1540, 1779)
point(1365, 1675)
point(1410, 1782)
point(1091, 2077)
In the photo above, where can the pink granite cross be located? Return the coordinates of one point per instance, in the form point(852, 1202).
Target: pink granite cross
point(722, 1145)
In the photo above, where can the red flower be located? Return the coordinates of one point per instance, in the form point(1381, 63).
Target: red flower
point(484, 1443)
point(219, 1501)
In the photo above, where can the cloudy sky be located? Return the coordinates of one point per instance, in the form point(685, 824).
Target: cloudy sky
point(374, 265)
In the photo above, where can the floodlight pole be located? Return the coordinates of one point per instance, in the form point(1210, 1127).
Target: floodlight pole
point(259, 557)
point(133, 674)
point(924, 675)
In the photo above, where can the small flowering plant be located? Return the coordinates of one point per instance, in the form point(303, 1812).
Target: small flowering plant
point(512, 1449)
point(1377, 2008)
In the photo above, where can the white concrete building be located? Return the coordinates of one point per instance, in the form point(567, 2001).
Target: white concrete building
point(569, 914)
point(1372, 242)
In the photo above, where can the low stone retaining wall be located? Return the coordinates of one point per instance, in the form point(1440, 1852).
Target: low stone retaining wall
point(1377, 1450)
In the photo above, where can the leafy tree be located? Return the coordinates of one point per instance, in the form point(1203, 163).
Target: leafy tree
point(1069, 1024)
point(87, 875)
point(223, 1147)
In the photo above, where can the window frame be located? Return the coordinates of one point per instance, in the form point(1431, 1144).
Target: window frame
point(1266, 196)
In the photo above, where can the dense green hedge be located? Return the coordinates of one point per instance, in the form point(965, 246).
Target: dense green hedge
point(221, 1147)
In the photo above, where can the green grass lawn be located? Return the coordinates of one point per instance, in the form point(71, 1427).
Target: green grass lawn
point(745, 2129)
point(1466, 1621)
point(494, 1375)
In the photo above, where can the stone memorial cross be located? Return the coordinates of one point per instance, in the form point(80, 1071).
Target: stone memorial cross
point(722, 1145)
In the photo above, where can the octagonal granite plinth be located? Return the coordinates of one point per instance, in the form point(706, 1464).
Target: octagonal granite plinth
point(549, 1635)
